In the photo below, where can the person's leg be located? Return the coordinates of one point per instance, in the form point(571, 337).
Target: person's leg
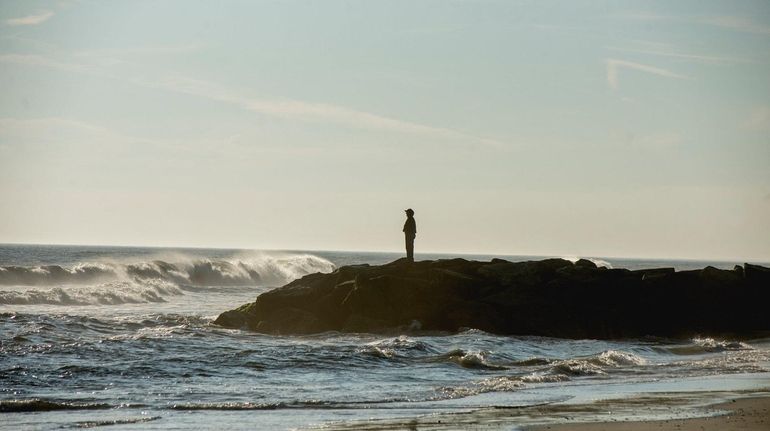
point(410, 248)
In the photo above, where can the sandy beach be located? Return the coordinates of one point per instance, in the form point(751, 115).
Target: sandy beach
point(751, 414)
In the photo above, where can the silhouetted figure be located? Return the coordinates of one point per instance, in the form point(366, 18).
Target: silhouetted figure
point(410, 231)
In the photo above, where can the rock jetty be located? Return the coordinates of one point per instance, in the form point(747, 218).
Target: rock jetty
point(552, 297)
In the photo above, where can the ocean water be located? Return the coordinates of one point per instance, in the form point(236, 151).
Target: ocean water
point(122, 337)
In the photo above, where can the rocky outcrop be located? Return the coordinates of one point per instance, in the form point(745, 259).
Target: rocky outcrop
point(552, 297)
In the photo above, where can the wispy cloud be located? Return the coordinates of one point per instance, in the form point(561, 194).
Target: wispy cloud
point(736, 23)
point(286, 108)
point(614, 66)
point(312, 111)
point(680, 55)
point(36, 19)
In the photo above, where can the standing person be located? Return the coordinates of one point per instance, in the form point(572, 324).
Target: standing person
point(410, 231)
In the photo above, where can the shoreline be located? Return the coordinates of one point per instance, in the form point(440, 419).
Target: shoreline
point(681, 411)
point(749, 414)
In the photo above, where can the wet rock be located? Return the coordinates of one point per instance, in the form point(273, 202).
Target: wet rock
point(552, 297)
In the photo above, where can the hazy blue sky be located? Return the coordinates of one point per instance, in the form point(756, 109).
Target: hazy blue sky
point(521, 127)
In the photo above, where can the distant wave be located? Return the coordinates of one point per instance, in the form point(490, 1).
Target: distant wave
point(111, 283)
point(112, 293)
point(263, 269)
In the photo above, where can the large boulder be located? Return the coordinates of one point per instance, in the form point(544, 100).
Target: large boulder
point(552, 297)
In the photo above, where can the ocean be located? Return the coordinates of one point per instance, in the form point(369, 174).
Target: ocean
point(99, 336)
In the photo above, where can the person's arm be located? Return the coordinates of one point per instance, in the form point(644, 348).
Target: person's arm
point(410, 227)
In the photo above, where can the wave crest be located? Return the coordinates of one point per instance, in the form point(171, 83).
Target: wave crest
point(112, 283)
point(246, 270)
point(708, 345)
point(598, 364)
point(468, 359)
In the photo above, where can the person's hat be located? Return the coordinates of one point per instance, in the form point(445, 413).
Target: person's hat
point(409, 211)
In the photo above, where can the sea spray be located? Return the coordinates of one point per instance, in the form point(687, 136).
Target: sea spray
point(113, 283)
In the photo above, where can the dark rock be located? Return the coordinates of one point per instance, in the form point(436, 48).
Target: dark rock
point(756, 273)
point(551, 297)
point(585, 263)
point(232, 319)
point(738, 270)
point(653, 272)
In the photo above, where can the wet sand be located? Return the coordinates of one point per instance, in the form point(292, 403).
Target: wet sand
point(749, 414)
point(696, 411)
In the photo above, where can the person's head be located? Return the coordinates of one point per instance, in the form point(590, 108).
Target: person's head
point(409, 212)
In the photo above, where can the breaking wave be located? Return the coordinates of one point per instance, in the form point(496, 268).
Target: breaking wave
point(478, 359)
point(112, 283)
point(261, 270)
point(401, 346)
point(113, 293)
point(472, 359)
point(598, 364)
point(498, 384)
point(556, 371)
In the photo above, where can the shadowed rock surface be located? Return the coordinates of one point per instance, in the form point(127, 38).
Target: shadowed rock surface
point(552, 297)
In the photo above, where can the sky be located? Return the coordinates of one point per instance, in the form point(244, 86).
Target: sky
point(575, 128)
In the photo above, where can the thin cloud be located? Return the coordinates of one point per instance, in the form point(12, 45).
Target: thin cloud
point(310, 111)
point(287, 108)
point(684, 56)
point(614, 66)
point(31, 19)
point(736, 23)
